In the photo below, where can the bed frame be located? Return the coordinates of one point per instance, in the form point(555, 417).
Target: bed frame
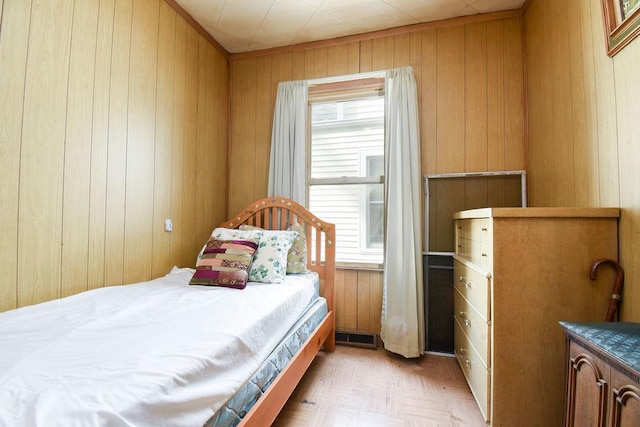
point(278, 213)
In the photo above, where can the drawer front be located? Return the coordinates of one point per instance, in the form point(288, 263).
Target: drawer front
point(474, 371)
point(477, 252)
point(473, 325)
point(478, 229)
point(474, 286)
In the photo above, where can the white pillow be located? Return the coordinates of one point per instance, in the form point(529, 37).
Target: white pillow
point(234, 233)
point(270, 261)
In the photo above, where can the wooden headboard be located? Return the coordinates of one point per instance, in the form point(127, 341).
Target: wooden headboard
point(279, 213)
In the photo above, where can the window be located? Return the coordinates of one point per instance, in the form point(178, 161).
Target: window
point(346, 174)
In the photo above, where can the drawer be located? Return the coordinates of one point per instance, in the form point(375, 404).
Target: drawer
point(479, 229)
point(477, 375)
point(474, 286)
point(477, 252)
point(473, 325)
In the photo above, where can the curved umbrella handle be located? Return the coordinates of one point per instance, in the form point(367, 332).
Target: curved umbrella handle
point(616, 295)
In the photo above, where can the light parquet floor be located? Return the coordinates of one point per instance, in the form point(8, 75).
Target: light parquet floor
point(364, 387)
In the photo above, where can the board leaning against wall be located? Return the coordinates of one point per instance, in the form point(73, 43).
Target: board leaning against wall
point(444, 195)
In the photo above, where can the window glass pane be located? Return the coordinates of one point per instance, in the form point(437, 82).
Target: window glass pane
point(359, 225)
point(375, 236)
point(374, 227)
point(375, 165)
point(340, 130)
point(375, 216)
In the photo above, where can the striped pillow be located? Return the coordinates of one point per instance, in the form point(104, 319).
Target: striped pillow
point(225, 263)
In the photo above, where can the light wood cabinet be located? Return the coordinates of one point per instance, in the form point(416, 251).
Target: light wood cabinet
point(517, 272)
point(602, 374)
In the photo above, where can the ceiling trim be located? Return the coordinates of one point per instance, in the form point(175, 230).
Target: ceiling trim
point(199, 28)
point(381, 33)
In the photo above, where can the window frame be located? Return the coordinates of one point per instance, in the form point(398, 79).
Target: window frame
point(332, 92)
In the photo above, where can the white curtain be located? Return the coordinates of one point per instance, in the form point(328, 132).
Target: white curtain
point(403, 301)
point(287, 176)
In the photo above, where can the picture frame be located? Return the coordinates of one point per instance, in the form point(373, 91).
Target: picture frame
point(621, 23)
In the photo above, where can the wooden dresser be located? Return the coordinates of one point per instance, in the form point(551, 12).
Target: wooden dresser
point(517, 272)
point(602, 374)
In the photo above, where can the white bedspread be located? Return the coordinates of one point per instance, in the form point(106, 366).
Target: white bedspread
point(158, 353)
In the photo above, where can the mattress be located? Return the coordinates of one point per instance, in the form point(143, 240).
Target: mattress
point(153, 353)
point(243, 400)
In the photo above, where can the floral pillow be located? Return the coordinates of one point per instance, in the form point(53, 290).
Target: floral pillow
point(297, 256)
point(270, 261)
point(225, 263)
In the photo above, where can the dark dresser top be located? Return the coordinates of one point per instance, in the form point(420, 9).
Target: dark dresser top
point(619, 339)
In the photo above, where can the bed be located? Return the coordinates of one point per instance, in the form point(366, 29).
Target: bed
point(171, 351)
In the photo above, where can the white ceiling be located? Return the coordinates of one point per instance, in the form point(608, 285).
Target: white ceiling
point(246, 25)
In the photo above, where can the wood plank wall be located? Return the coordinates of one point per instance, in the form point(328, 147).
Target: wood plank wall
point(111, 115)
point(584, 144)
point(471, 92)
point(470, 78)
point(358, 300)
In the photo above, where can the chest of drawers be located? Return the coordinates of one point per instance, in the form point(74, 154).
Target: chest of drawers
point(517, 272)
